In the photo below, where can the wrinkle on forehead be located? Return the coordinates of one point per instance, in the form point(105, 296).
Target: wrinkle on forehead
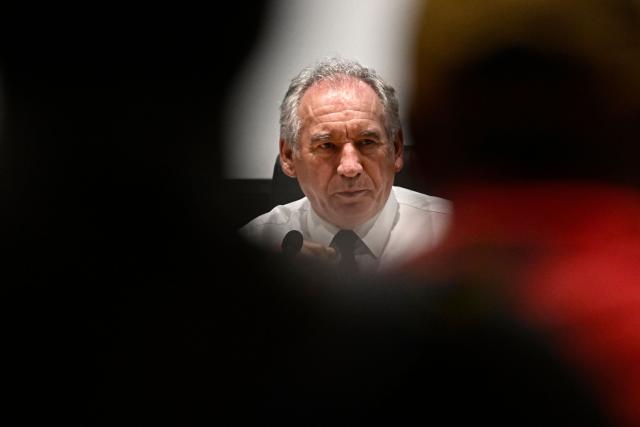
point(343, 100)
point(353, 129)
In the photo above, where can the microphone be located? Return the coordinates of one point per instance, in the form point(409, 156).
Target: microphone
point(292, 243)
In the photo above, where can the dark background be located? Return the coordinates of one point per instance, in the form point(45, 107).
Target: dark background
point(115, 252)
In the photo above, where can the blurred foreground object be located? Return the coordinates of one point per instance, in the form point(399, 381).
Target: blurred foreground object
point(528, 90)
point(527, 115)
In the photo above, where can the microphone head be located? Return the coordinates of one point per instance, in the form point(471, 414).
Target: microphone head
point(292, 243)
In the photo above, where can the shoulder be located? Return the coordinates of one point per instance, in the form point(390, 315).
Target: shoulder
point(275, 223)
point(409, 199)
point(422, 222)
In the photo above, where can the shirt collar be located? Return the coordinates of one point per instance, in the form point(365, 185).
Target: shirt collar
point(320, 231)
point(374, 233)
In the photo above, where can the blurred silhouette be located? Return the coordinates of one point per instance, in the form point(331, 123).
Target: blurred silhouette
point(110, 227)
point(527, 116)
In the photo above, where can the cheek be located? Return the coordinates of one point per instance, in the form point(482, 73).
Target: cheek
point(380, 171)
point(316, 177)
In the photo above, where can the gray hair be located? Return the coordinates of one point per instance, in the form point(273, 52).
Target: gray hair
point(335, 69)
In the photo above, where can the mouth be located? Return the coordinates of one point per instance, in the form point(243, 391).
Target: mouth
point(351, 194)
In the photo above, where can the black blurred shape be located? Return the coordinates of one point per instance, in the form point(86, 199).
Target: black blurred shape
point(292, 243)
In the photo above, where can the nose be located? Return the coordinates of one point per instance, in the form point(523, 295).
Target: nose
point(350, 165)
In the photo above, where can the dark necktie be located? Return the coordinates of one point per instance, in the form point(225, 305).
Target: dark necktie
point(345, 243)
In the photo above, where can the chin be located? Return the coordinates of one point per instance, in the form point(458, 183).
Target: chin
point(350, 219)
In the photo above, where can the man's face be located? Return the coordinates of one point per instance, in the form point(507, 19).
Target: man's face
point(345, 164)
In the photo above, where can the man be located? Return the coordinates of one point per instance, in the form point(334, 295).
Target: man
point(340, 136)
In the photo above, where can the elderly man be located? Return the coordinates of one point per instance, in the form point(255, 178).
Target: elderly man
point(341, 138)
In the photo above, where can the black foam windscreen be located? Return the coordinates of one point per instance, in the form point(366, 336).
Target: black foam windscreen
point(292, 243)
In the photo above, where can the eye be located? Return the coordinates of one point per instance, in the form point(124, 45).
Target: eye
point(367, 142)
point(326, 146)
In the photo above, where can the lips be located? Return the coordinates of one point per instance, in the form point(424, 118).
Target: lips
point(351, 193)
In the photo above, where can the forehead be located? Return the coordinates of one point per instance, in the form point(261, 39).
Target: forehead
point(342, 100)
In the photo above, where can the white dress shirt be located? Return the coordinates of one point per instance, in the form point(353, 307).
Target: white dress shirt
point(408, 224)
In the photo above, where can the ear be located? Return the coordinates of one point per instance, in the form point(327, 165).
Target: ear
point(286, 159)
point(398, 151)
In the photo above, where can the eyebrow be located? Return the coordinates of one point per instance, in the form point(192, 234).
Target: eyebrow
point(370, 134)
point(321, 137)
